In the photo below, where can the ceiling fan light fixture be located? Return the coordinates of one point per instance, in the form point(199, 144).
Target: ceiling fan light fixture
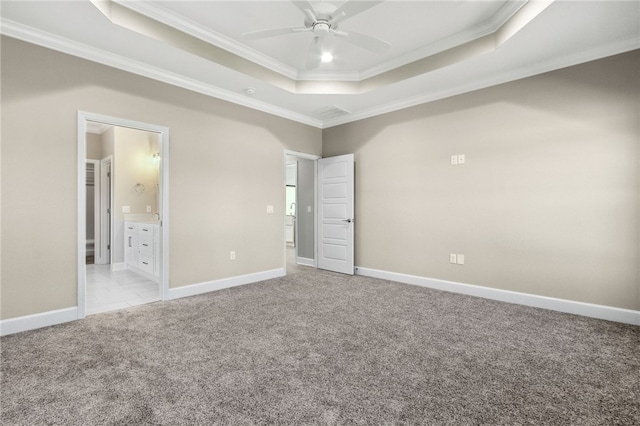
point(326, 57)
point(321, 28)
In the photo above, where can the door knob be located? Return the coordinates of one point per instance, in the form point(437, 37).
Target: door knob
point(347, 220)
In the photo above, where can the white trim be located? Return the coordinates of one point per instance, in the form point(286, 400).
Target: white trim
point(306, 261)
point(206, 287)
point(301, 155)
point(615, 48)
point(160, 14)
point(81, 50)
point(81, 260)
point(54, 42)
point(608, 313)
point(32, 322)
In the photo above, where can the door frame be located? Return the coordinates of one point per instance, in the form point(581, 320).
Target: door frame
point(315, 159)
point(83, 117)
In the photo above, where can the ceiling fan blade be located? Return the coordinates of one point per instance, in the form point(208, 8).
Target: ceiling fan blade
point(311, 14)
point(351, 9)
point(303, 5)
point(364, 41)
point(314, 55)
point(254, 35)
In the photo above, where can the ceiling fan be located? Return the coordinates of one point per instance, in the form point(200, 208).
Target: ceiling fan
point(323, 21)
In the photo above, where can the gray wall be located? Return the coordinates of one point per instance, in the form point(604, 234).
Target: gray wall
point(305, 222)
point(546, 204)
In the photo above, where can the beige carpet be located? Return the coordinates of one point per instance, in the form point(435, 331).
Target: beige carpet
point(323, 348)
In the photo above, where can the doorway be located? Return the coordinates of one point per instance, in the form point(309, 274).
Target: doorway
point(124, 170)
point(300, 211)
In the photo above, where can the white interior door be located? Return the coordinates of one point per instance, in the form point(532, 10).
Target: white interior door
point(335, 214)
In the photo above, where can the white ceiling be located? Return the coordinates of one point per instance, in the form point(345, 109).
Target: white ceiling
point(438, 48)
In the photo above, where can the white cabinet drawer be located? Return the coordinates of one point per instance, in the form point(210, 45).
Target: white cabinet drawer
point(145, 230)
point(142, 245)
point(145, 263)
point(145, 248)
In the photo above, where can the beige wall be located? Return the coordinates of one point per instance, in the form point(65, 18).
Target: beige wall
point(546, 204)
point(218, 149)
point(94, 146)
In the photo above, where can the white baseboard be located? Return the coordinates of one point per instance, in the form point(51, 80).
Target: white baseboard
point(306, 261)
point(609, 313)
point(31, 322)
point(193, 289)
point(118, 266)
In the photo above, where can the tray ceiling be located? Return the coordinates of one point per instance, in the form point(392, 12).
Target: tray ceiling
point(437, 48)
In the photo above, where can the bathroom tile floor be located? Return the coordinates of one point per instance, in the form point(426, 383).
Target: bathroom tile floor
point(112, 290)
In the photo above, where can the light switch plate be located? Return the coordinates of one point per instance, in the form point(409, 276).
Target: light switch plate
point(452, 258)
point(308, 209)
point(461, 159)
point(148, 209)
point(269, 209)
point(460, 259)
point(454, 160)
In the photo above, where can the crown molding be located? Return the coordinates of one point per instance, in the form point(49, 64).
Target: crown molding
point(44, 39)
point(160, 14)
point(615, 48)
point(498, 20)
point(41, 38)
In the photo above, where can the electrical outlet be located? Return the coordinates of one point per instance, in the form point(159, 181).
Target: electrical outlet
point(148, 209)
point(453, 258)
point(460, 259)
point(232, 255)
point(461, 159)
point(269, 209)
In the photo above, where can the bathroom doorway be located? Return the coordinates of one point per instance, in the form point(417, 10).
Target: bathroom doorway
point(122, 239)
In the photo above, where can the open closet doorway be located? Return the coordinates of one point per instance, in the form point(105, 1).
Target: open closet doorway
point(300, 211)
point(122, 206)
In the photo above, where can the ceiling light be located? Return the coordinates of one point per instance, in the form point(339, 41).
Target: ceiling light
point(326, 57)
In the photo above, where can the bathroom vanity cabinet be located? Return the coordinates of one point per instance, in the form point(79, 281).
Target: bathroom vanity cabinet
point(142, 248)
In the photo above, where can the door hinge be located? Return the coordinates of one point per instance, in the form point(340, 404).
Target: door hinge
point(108, 246)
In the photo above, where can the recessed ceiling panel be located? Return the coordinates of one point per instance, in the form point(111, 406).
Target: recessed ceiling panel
point(414, 29)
